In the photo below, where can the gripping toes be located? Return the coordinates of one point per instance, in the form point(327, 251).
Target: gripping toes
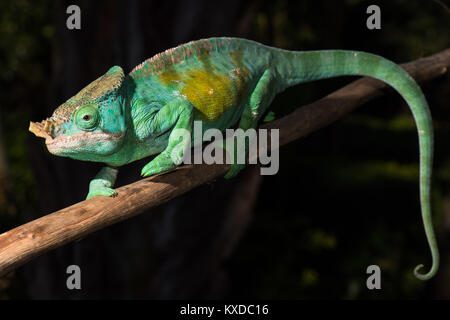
point(100, 187)
point(234, 170)
point(235, 167)
point(101, 191)
point(163, 162)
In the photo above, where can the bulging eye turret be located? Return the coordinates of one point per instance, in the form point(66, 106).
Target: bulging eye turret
point(87, 117)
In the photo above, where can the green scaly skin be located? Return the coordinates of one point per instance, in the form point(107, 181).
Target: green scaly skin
point(118, 119)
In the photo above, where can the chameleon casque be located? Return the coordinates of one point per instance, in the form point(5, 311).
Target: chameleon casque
point(222, 82)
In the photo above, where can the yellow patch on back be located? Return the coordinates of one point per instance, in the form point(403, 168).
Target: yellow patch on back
point(211, 93)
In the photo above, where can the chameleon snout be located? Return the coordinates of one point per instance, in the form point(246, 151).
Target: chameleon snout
point(43, 129)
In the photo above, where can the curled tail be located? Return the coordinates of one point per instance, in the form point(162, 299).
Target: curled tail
point(297, 67)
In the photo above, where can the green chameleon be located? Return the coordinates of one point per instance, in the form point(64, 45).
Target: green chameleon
point(222, 82)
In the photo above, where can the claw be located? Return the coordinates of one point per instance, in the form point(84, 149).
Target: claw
point(147, 170)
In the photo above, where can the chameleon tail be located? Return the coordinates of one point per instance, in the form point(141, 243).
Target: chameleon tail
point(297, 67)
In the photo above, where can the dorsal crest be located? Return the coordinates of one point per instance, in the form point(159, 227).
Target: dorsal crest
point(164, 60)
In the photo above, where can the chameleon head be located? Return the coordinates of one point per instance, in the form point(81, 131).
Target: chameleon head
point(91, 125)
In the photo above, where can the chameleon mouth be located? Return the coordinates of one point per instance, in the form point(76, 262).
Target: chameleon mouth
point(67, 145)
point(86, 141)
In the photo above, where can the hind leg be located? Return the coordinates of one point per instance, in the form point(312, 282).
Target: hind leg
point(180, 115)
point(260, 99)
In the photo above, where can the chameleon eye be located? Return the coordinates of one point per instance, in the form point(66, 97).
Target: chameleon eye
point(87, 117)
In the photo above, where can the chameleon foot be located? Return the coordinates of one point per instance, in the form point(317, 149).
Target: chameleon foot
point(161, 163)
point(269, 117)
point(235, 167)
point(234, 170)
point(101, 191)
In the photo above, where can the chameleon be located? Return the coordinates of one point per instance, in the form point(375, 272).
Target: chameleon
point(223, 82)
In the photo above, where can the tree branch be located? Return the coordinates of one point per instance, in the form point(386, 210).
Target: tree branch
point(32, 239)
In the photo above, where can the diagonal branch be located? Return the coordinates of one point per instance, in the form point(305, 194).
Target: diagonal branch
point(32, 239)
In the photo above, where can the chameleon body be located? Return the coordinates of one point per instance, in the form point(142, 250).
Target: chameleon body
point(118, 119)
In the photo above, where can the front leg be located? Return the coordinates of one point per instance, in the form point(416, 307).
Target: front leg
point(180, 116)
point(102, 183)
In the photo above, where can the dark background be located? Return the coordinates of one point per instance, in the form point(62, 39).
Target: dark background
point(345, 197)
